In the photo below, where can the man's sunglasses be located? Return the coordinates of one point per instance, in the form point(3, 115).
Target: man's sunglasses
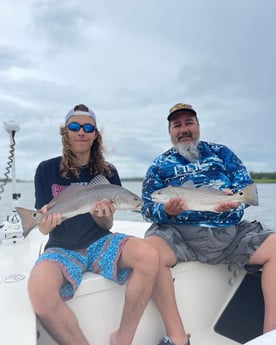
point(75, 127)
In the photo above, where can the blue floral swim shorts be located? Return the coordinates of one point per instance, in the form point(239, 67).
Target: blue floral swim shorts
point(100, 257)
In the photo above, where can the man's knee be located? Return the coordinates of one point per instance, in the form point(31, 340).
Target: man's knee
point(266, 252)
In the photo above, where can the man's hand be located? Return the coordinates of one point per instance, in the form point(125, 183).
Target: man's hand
point(225, 206)
point(175, 206)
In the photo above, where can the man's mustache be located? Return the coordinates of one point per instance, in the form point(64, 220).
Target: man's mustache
point(185, 135)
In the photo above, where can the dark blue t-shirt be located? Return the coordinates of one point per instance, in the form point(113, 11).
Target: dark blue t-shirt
point(76, 232)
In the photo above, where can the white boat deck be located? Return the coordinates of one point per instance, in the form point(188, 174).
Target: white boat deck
point(202, 292)
point(18, 322)
point(265, 339)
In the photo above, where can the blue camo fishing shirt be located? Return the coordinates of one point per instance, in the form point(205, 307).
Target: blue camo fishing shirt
point(217, 167)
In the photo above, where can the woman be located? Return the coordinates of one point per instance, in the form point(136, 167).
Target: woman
point(75, 244)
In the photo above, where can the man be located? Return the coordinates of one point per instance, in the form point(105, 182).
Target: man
point(178, 233)
point(85, 242)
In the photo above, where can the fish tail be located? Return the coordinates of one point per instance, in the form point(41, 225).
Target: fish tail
point(250, 195)
point(28, 219)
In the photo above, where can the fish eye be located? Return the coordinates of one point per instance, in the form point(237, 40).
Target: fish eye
point(241, 193)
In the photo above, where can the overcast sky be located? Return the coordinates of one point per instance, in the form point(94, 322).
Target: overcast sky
point(130, 61)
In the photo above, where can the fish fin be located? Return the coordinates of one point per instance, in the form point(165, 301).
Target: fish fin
point(188, 184)
point(27, 219)
point(75, 188)
point(65, 194)
point(99, 179)
point(250, 195)
point(212, 190)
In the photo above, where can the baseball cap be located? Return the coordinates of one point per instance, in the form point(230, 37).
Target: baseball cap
point(179, 107)
point(73, 112)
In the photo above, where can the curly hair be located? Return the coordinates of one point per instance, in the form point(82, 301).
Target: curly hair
point(97, 163)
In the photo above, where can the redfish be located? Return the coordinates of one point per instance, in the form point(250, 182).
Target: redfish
point(205, 198)
point(77, 199)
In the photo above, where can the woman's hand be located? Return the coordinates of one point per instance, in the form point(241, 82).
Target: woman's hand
point(48, 221)
point(102, 212)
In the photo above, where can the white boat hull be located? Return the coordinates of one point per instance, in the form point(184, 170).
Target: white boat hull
point(202, 291)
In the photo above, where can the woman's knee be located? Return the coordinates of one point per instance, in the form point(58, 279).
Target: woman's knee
point(149, 255)
point(43, 290)
point(166, 255)
point(142, 255)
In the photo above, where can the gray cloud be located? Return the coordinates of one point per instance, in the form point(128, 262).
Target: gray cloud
point(60, 24)
point(11, 57)
point(130, 62)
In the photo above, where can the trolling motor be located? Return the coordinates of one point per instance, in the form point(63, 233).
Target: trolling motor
point(11, 230)
point(12, 127)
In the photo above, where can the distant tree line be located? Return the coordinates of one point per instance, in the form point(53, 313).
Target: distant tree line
point(255, 176)
point(263, 175)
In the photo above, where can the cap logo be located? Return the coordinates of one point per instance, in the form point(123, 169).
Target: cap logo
point(179, 106)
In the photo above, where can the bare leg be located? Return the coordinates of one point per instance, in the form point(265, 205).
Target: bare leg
point(54, 314)
point(144, 260)
point(164, 294)
point(266, 255)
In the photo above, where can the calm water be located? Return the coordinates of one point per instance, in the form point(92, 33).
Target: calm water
point(266, 212)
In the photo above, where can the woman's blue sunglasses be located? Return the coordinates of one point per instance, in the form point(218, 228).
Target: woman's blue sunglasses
point(75, 127)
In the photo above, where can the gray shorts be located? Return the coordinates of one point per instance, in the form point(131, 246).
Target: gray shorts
point(233, 244)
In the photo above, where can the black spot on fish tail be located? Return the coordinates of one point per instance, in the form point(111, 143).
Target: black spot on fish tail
point(28, 219)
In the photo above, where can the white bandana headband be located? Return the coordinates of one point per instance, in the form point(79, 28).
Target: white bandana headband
point(73, 112)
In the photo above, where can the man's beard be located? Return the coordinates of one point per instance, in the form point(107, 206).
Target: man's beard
point(188, 150)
